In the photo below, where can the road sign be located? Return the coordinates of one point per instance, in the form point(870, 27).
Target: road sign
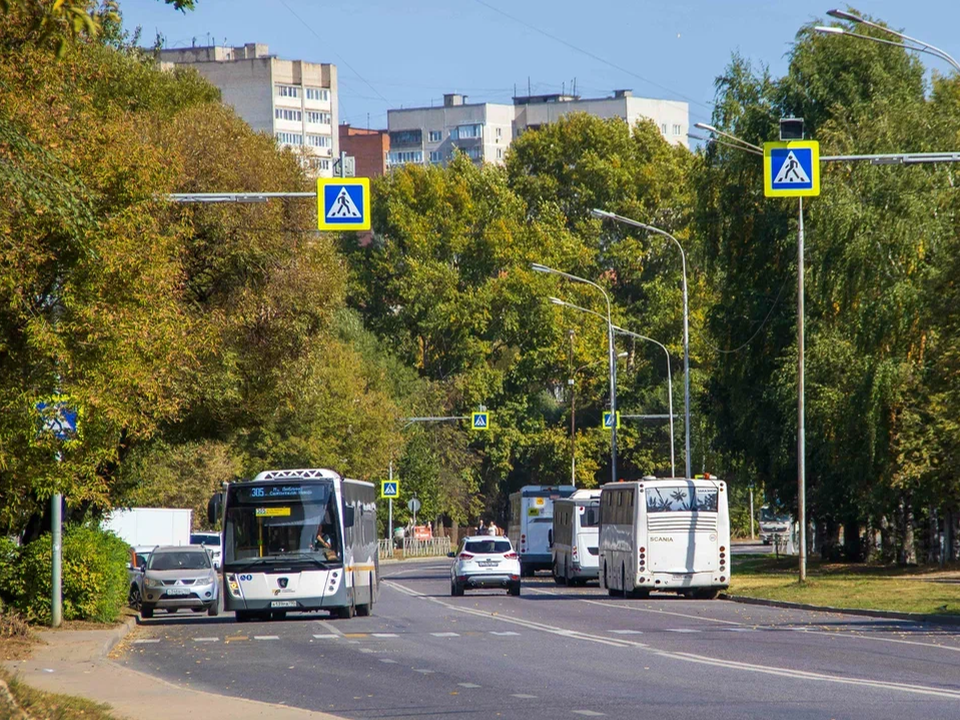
point(59, 417)
point(791, 169)
point(343, 203)
point(480, 421)
point(413, 505)
point(389, 488)
point(608, 420)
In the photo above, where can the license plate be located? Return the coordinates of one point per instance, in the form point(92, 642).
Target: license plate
point(489, 563)
point(177, 591)
point(283, 603)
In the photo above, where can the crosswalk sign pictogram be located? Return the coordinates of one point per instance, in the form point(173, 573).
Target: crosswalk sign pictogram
point(791, 169)
point(343, 203)
point(480, 421)
point(390, 489)
point(608, 419)
point(59, 417)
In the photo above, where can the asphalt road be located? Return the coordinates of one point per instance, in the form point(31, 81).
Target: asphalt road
point(558, 652)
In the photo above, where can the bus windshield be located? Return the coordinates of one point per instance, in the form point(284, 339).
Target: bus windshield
point(590, 517)
point(292, 522)
point(680, 498)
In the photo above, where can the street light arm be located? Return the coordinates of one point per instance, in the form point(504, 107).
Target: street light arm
point(928, 49)
point(716, 131)
point(924, 46)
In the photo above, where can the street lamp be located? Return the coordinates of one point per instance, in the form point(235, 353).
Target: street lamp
point(613, 364)
point(923, 46)
point(558, 301)
point(686, 322)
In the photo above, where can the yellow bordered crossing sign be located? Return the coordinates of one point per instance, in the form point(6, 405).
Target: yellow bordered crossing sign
point(791, 168)
point(343, 203)
point(390, 489)
point(608, 420)
point(480, 420)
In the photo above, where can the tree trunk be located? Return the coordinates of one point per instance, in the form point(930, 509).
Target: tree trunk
point(950, 535)
point(909, 544)
point(888, 541)
point(852, 547)
point(933, 539)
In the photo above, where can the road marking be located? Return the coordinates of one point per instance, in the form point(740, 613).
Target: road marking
point(367, 650)
point(206, 639)
point(327, 637)
point(627, 632)
point(446, 634)
point(384, 635)
point(784, 672)
point(524, 697)
point(588, 713)
point(740, 629)
point(355, 635)
point(682, 630)
point(144, 642)
point(505, 634)
point(266, 637)
point(387, 660)
point(468, 685)
point(235, 638)
point(424, 671)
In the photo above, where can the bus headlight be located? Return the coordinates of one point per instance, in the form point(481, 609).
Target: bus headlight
point(233, 586)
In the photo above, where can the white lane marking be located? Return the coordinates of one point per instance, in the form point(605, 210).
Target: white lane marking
point(387, 660)
point(682, 630)
point(701, 659)
point(504, 634)
point(627, 632)
point(266, 637)
point(588, 713)
point(384, 635)
point(852, 635)
point(524, 697)
point(367, 650)
point(327, 637)
point(144, 642)
point(423, 670)
point(468, 685)
point(206, 639)
point(332, 628)
point(741, 629)
point(420, 568)
point(446, 634)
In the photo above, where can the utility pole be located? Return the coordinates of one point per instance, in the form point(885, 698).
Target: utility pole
point(573, 417)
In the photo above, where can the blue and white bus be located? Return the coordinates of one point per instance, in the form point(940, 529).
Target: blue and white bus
point(298, 540)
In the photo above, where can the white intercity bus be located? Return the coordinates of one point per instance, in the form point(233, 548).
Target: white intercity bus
point(576, 538)
point(298, 540)
point(531, 524)
point(669, 534)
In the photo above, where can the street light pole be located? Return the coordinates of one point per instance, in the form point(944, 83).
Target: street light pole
point(686, 323)
point(537, 267)
point(618, 329)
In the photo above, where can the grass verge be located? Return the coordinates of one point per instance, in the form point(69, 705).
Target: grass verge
point(24, 702)
point(859, 587)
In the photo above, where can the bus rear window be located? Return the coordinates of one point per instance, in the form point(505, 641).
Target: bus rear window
point(681, 498)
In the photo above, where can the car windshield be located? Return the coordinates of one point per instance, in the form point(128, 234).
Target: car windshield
point(487, 547)
point(178, 560)
point(205, 539)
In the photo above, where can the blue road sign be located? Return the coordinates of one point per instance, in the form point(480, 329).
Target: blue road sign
point(791, 169)
point(480, 421)
point(608, 419)
point(343, 203)
point(58, 417)
point(390, 488)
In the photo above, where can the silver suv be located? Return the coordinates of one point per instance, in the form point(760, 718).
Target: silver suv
point(178, 577)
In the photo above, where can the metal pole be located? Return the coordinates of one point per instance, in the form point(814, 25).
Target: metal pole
point(573, 418)
point(751, 514)
point(56, 607)
point(673, 465)
point(613, 395)
point(686, 364)
point(390, 512)
point(801, 440)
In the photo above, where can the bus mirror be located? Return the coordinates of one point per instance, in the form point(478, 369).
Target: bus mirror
point(348, 516)
point(214, 507)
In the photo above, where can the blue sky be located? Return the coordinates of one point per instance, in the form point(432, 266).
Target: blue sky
point(393, 53)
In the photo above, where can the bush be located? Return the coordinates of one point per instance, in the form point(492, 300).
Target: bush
point(94, 576)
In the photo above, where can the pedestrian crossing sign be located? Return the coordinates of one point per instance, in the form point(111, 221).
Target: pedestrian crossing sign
point(390, 489)
point(608, 420)
point(480, 421)
point(791, 169)
point(343, 203)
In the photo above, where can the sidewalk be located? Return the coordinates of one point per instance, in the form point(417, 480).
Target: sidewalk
point(75, 662)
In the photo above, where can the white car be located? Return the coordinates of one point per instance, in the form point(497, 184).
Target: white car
point(484, 561)
point(211, 541)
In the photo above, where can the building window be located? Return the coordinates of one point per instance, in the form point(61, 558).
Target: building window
point(318, 118)
point(499, 132)
point(398, 157)
point(663, 128)
point(291, 91)
point(323, 141)
point(284, 114)
point(317, 94)
point(474, 153)
point(436, 156)
point(436, 135)
point(499, 153)
point(676, 129)
point(406, 137)
point(290, 138)
point(466, 132)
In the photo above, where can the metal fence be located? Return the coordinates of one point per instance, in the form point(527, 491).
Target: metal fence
point(434, 547)
point(385, 551)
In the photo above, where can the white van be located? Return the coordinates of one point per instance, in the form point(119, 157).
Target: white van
point(531, 524)
point(576, 538)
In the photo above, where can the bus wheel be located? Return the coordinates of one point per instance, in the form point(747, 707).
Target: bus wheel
point(242, 616)
point(345, 613)
point(707, 594)
point(557, 577)
point(365, 609)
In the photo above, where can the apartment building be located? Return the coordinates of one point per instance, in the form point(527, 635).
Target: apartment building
point(369, 148)
point(292, 100)
point(483, 131)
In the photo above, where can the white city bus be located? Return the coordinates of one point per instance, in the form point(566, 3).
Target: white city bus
point(670, 534)
point(298, 540)
point(531, 523)
point(576, 538)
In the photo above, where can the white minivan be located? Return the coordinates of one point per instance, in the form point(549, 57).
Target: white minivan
point(575, 538)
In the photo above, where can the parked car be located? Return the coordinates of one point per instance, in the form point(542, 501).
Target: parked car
point(178, 577)
point(139, 557)
point(484, 561)
point(211, 541)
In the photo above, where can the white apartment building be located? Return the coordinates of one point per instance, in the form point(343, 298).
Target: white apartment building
point(292, 100)
point(431, 135)
point(484, 131)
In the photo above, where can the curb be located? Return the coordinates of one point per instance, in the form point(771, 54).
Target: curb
point(889, 614)
point(117, 634)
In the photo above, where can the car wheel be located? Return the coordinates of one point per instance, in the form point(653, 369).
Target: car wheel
point(146, 612)
point(171, 611)
point(197, 610)
point(514, 589)
point(134, 598)
point(214, 608)
point(456, 589)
